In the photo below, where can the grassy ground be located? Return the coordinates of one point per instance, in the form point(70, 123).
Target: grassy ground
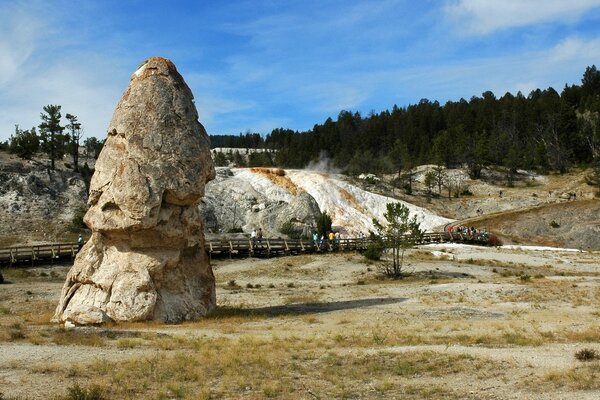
point(326, 327)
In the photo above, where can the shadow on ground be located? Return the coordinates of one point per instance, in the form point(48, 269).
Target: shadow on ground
point(304, 308)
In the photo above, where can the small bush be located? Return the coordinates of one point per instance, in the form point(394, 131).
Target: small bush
point(235, 229)
point(587, 355)
point(373, 252)
point(77, 224)
point(291, 285)
point(249, 286)
point(232, 284)
point(525, 278)
point(554, 224)
point(494, 241)
point(76, 392)
point(292, 230)
point(279, 172)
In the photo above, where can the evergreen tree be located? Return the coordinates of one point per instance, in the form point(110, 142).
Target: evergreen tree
point(323, 223)
point(92, 146)
point(399, 233)
point(53, 142)
point(74, 128)
point(24, 143)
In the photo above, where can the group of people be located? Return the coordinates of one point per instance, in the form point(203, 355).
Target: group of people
point(332, 239)
point(256, 237)
point(465, 230)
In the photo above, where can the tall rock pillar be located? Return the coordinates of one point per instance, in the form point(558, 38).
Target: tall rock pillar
point(146, 258)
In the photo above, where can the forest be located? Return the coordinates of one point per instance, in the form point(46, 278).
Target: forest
point(545, 130)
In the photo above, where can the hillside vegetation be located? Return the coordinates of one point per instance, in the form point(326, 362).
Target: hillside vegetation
point(544, 131)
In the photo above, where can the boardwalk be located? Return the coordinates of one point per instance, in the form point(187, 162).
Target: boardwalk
point(229, 247)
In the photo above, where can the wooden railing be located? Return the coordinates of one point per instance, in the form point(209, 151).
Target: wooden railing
point(34, 253)
point(243, 247)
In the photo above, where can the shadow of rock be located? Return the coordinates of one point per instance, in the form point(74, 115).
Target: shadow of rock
point(305, 308)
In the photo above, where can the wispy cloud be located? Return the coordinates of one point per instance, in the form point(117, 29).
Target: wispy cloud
point(485, 16)
point(37, 68)
point(262, 65)
point(18, 37)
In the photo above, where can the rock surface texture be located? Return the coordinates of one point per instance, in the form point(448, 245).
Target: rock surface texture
point(145, 259)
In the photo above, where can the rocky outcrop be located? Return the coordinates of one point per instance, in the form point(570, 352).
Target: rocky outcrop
point(145, 259)
point(241, 199)
point(37, 204)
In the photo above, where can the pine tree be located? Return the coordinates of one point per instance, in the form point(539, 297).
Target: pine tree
point(53, 142)
point(74, 128)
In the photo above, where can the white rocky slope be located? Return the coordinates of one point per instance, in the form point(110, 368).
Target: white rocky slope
point(37, 204)
point(256, 197)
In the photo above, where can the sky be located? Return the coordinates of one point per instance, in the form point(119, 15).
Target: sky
point(257, 65)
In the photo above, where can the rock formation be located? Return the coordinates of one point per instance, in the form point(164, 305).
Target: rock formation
point(235, 200)
point(146, 259)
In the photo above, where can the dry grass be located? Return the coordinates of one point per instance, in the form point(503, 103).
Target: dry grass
point(583, 377)
point(327, 336)
point(279, 368)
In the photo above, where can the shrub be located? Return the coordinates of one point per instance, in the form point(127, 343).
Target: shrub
point(291, 230)
point(494, 241)
point(554, 224)
point(76, 392)
point(77, 224)
point(1, 278)
point(587, 355)
point(279, 172)
point(373, 252)
point(235, 229)
point(525, 278)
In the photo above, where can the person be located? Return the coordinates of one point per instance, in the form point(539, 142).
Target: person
point(259, 236)
point(330, 237)
point(80, 241)
point(253, 237)
point(337, 239)
point(316, 238)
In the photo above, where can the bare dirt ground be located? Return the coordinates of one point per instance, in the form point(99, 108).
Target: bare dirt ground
point(474, 323)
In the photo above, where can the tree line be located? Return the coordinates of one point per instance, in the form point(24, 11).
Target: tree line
point(53, 138)
point(545, 131)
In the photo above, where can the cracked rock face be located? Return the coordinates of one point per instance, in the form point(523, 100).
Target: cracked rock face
point(146, 259)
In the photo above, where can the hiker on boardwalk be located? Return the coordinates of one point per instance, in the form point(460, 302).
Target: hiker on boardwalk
point(315, 237)
point(253, 237)
point(80, 241)
point(259, 236)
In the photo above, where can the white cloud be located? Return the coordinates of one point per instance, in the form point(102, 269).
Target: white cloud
point(18, 36)
point(35, 71)
point(487, 16)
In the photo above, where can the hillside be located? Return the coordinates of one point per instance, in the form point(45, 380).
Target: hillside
point(38, 205)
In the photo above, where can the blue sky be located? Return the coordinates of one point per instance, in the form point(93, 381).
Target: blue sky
point(259, 65)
